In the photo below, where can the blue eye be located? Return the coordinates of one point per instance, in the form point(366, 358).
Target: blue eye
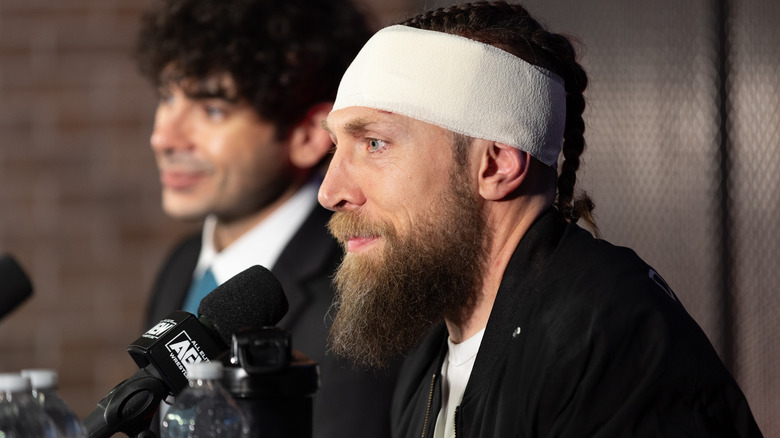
point(375, 145)
point(214, 111)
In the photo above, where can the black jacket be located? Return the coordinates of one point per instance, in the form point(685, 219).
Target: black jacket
point(584, 340)
point(350, 402)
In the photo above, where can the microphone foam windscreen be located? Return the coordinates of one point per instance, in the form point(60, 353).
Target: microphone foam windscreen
point(15, 287)
point(253, 298)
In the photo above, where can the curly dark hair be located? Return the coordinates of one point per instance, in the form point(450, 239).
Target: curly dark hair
point(282, 56)
point(511, 28)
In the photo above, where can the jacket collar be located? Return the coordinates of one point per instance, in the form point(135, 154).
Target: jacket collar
point(520, 282)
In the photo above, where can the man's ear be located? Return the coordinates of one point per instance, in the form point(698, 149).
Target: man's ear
point(309, 142)
point(502, 169)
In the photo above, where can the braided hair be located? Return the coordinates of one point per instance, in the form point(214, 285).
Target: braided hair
point(510, 28)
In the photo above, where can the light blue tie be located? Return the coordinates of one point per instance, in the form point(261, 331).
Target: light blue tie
point(199, 289)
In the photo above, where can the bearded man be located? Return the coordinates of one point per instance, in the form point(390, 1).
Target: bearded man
point(459, 228)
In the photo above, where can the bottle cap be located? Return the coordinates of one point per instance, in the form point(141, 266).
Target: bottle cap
point(42, 378)
point(13, 382)
point(204, 370)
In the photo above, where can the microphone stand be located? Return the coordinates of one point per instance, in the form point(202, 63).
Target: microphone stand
point(129, 407)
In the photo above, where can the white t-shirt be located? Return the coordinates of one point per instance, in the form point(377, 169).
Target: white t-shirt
point(455, 372)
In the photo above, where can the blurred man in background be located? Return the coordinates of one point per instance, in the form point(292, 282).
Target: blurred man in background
point(244, 86)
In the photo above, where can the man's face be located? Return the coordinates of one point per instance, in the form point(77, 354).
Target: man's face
point(214, 153)
point(412, 228)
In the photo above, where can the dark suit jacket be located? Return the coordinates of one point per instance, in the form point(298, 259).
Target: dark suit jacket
point(350, 403)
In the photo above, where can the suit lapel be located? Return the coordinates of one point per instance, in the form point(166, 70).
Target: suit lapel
point(311, 254)
point(174, 280)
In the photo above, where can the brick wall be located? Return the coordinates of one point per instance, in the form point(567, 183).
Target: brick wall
point(79, 201)
point(79, 198)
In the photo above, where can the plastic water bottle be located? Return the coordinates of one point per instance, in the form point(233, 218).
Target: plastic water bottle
point(204, 409)
point(44, 388)
point(20, 414)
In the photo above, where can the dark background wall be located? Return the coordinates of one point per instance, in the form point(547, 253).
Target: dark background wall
point(683, 115)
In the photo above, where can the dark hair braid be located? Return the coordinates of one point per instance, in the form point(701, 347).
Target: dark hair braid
point(511, 28)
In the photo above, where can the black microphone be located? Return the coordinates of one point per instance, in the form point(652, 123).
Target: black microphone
point(252, 299)
point(15, 287)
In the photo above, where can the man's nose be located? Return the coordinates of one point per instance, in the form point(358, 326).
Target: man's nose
point(340, 190)
point(170, 131)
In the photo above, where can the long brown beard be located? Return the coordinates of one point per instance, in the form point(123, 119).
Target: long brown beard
point(386, 302)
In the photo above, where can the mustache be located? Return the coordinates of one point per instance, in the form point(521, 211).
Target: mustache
point(344, 225)
point(183, 162)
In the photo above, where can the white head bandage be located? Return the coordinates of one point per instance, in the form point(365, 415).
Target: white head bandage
point(461, 85)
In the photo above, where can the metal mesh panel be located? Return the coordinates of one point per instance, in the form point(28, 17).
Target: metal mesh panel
point(754, 110)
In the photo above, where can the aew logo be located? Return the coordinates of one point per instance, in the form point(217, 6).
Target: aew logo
point(160, 329)
point(185, 351)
